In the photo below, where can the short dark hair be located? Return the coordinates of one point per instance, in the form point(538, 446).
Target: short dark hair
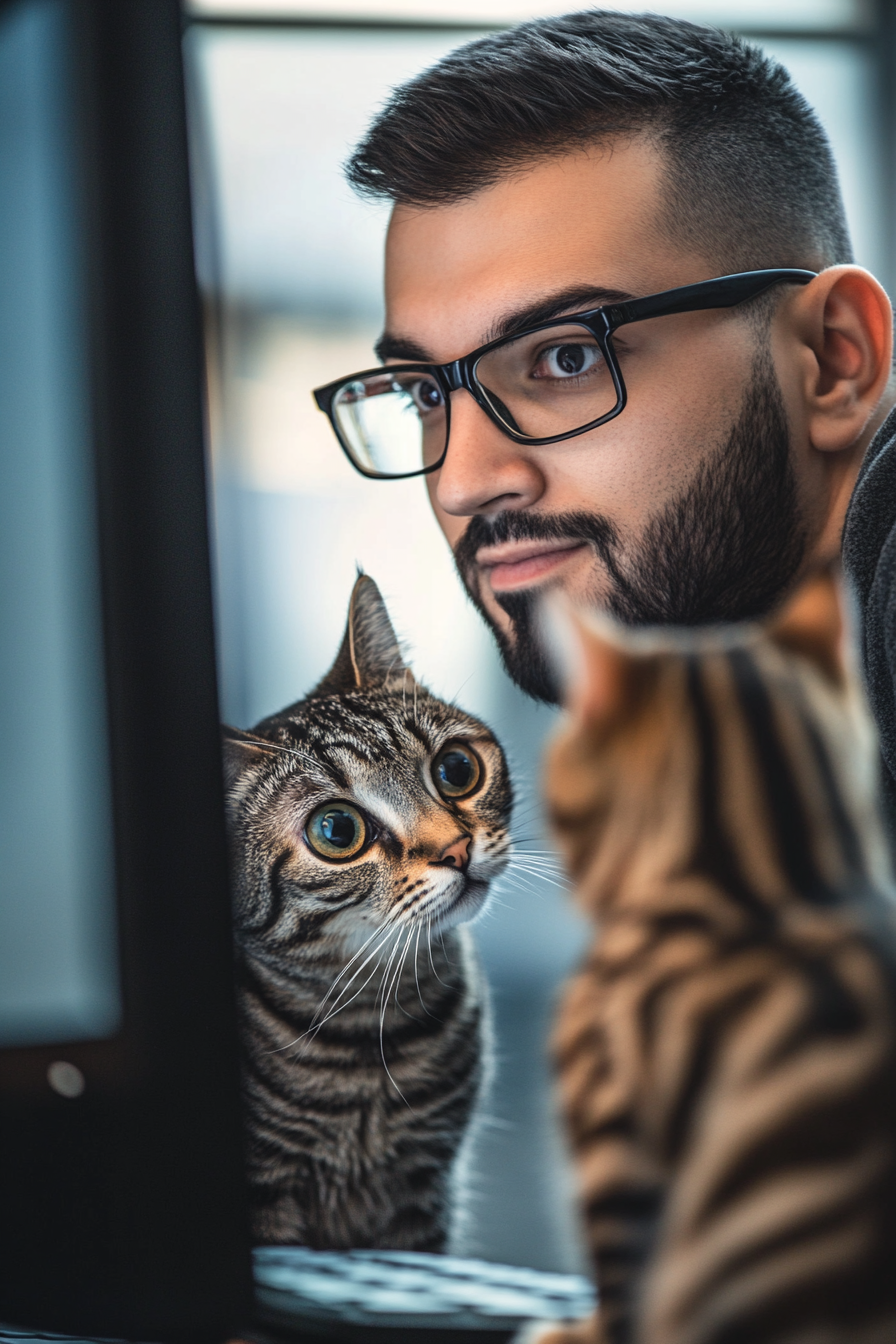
point(751, 178)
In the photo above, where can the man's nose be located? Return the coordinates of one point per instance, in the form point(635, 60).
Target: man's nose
point(457, 854)
point(484, 471)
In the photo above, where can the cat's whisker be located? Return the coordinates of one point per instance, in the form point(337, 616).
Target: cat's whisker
point(488, 912)
point(388, 929)
point(260, 744)
point(392, 988)
point(453, 700)
point(307, 1036)
point(400, 971)
point(527, 799)
point(537, 860)
point(404, 955)
point(518, 882)
point(323, 1003)
point(417, 974)
point(380, 992)
point(429, 948)
point(384, 1005)
point(524, 890)
point(444, 948)
point(337, 1007)
point(536, 870)
point(549, 853)
point(348, 965)
point(553, 876)
point(538, 878)
point(536, 882)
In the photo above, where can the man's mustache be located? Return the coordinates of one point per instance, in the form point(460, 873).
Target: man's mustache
point(523, 525)
point(523, 656)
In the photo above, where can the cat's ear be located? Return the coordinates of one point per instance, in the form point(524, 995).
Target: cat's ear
point(370, 656)
point(240, 750)
point(812, 623)
point(593, 669)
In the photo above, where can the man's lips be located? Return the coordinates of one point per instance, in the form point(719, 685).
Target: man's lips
point(518, 564)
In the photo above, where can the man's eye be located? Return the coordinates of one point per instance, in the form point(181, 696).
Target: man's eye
point(425, 394)
point(570, 360)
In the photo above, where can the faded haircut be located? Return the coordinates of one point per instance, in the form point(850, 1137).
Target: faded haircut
point(751, 180)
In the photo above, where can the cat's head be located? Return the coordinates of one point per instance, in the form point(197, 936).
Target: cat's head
point(757, 738)
point(369, 803)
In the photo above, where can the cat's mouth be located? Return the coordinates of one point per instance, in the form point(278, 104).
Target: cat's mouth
point(461, 900)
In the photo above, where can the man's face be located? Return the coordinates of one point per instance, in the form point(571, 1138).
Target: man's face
point(696, 503)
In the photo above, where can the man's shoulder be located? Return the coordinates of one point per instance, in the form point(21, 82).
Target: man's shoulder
point(871, 516)
point(869, 560)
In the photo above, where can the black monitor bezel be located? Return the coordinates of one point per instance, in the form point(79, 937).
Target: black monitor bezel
point(123, 1211)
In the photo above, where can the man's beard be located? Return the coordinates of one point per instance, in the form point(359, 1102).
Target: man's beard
point(726, 549)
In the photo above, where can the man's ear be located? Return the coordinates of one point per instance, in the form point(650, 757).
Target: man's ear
point(594, 671)
point(370, 656)
point(812, 624)
point(845, 321)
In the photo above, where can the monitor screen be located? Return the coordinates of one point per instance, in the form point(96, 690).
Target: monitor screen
point(121, 1165)
point(59, 977)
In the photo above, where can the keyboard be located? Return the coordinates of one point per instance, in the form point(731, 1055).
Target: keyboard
point(362, 1297)
point(406, 1290)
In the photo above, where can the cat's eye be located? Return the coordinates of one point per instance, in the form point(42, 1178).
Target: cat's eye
point(456, 771)
point(336, 831)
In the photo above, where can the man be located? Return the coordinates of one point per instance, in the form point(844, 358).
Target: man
point(686, 467)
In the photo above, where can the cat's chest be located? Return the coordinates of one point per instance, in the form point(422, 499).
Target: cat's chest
point(349, 1018)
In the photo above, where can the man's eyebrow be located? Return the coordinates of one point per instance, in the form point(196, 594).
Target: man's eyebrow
point(390, 346)
point(579, 298)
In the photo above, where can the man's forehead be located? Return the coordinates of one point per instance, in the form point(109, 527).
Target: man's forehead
point(578, 222)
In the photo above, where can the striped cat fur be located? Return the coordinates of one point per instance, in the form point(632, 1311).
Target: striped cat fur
point(361, 1003)
point(727, 1054)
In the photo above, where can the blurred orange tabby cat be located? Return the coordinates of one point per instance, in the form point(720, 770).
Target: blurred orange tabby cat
point(726, 1054)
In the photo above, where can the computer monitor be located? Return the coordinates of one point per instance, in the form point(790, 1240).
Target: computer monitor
point(122, 1199)
point(121, 1183)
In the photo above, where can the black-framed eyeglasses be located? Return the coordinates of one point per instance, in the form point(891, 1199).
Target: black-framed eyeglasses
point(549, 382)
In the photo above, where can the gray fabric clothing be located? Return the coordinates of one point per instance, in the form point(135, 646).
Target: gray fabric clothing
point(869, 560)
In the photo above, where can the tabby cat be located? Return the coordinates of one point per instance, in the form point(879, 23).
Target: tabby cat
point(366, 823)
point(726, 1054)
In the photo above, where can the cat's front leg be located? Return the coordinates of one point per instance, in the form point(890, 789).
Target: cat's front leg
point(588, 1331)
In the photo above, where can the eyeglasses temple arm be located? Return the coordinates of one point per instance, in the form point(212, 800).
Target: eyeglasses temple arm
point(726, 292)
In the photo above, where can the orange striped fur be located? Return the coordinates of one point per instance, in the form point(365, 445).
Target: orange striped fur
point(727, 1054)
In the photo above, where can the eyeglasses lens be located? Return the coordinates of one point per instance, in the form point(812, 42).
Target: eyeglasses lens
point(393, 423)
point(543, 384)
point(548, 382)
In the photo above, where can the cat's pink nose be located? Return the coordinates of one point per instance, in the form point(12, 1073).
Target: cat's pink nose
point(457, 855)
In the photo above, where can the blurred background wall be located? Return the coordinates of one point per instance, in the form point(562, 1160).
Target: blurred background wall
point(291, 268)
